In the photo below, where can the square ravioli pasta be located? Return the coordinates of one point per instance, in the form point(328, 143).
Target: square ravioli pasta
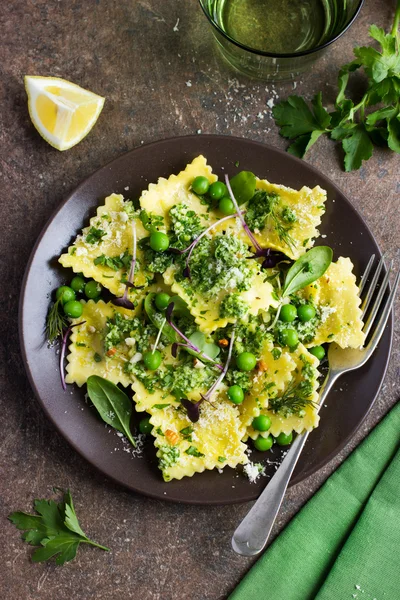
point(186, 448)
point(103, 251)
point(88, 354)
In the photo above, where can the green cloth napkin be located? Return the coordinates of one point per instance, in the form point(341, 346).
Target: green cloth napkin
point(331, 546)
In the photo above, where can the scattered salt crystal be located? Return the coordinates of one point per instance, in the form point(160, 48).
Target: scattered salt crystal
point(189, 83)
point(253, 471)
point(323, 235)
point(126, 188)
point(199, 131)
point(176, 26)
point(270, 103)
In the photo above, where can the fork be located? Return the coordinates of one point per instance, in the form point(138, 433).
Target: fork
point(253, 532)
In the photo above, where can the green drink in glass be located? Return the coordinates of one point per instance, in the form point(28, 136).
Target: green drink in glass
point(276, 39)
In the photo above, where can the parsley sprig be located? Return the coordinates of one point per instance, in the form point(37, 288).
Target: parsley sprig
point(55, 528)
point(375, 119)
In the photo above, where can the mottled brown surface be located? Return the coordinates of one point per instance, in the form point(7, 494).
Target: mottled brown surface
point(128, 51)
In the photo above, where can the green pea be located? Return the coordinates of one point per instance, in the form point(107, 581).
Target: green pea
point(162, 300)
point(92, 289)
point(261, 423)
point(283, 439)
point(152, 360)
point(200, 185)
point(246, 361)
point(288, 313)
point(318, 351)
point(289, 338)
point(73, 309)
point(306, 312)
point(145, 426)
point(78, 284)
point(263, 443)
point(236, 394)
point(243, 186)
point(159, 242)
point(217, 190)
point(65, 293)
point(226, 206)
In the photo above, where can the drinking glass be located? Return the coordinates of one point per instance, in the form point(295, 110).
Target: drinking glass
point(277, 39)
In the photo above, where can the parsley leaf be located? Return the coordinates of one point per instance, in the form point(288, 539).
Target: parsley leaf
point(357, 147)
point(55, 528)
point(356, 125)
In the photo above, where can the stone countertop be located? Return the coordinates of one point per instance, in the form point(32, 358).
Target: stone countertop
point(162, 77)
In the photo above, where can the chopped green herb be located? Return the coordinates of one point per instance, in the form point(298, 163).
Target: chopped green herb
point(192, 451)
point(95, 235)
point(160, 406)
point(221, 459)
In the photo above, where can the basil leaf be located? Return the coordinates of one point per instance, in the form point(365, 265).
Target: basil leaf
point(158, 318)
point(309, 267)
point(113, 405)
point(243, 186)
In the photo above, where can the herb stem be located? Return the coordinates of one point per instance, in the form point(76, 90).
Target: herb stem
point(396, 21)
point(87, 541)
point(241, 217)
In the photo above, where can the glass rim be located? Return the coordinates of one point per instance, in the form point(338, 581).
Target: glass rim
point(278, 55)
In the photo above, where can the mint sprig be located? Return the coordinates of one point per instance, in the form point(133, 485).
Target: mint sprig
point(358, 126)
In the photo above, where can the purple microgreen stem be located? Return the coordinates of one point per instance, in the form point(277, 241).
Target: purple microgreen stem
point(189, 344)
point(212, 389)
point(124, 302)
point(63, 349)
point(193, 408)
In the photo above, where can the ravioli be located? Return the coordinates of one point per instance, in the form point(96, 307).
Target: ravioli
point(206, 309)
point(86, 350)
point(337, 296)
point(213, 442)
point(289, 381)
point(272, 375)
point(160, 197)
point(109, 235)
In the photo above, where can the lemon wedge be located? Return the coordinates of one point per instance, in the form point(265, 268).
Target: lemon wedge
point(62, 112)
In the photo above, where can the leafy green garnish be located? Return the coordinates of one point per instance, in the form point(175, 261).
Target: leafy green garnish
point(263, 207)
point(94, 235)
point(308, 268)
point(113, 405)
point(294, 400)
point(150, 221)
point(56, 321)
point(55, 527)
point(349, 122)
point(243, 186)
point(114, 262)
point(192, 451)
point(199, 340)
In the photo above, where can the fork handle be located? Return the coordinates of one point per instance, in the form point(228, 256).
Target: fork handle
point(253, 532)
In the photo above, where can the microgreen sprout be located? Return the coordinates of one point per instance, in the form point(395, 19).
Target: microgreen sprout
point(189, 345)
point(63, 349)
point(271, 257)
point(191, 247)
point(124, 301)
point(193, 408)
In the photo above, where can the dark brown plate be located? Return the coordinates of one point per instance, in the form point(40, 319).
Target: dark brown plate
point(346, 232)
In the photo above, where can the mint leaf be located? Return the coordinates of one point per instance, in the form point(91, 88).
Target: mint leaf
point(55, 527)
point(357, 147)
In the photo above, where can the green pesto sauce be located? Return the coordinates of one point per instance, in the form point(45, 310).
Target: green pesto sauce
point(233, 306)
point(186, 225)
point(218, 263)
point(118, 328)
point(169, 456)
